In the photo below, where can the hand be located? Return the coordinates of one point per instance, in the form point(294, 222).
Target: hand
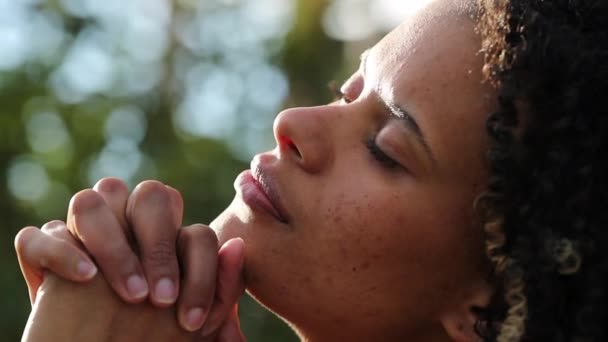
point(115, 227)
point(67, 311)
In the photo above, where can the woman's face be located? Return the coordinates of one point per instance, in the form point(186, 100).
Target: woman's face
point(371, 226)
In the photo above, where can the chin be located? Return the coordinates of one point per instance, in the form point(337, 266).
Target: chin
point(264, 269)
point(229, 224)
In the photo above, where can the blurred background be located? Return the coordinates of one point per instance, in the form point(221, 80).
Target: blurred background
point(183, 91)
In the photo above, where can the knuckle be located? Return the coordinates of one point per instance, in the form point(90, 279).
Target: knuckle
point(50, 226)
point(62, 234)
point(198, 234)
point(150, 192)
point(161, 254)
point(175, 195)
point(85, 200)
point(151, 186)
point(111, 184)
point(23, 237)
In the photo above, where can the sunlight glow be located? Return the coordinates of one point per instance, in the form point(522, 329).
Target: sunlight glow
point(355, 20)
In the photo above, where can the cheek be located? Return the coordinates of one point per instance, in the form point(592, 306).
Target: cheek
point(363, 233)
point(379, 248)
point(373, 240)
point(348, 211)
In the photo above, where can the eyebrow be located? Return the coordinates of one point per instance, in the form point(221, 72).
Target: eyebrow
point(412, 126)
point(400, 113)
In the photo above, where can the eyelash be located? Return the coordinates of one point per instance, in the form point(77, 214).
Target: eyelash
point(379, 155)
point(337, 93)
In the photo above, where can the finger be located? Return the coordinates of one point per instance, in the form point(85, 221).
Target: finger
point(197, 246)
point(177, 206)
point(230, 284)
point(230, 331)
point(94, 224)
point(58, 229)
point(150, 215)
point(37, 251)
point(115, 193)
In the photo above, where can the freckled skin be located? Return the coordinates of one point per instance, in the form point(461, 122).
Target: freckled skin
point(382, 252)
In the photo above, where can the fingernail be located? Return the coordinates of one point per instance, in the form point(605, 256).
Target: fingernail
point(86, 270)
point(137, 287)
point(164, 291)
point(194, 319)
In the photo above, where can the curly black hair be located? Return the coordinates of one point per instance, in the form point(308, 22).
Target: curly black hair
point(545, 211)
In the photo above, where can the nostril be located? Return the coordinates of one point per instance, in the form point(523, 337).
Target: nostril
point(289, 143)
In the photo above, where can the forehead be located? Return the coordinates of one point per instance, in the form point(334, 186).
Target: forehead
point(430, 65)
point(441, 27)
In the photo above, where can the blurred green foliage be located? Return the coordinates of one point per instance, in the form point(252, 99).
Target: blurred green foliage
point(40, 171)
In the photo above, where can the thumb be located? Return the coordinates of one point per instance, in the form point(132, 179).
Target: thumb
point(230, 284)
point(231, 330)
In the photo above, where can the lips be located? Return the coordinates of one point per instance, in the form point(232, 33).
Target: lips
point(258, 192)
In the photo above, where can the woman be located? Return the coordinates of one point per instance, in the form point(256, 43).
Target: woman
point(382, 217)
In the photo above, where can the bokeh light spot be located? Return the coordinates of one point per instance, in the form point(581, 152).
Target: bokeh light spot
point(27, 179)
point(119, 158)
point(126, 123)
point(46, 132)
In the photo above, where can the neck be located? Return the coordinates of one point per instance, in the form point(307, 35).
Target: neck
point(355, 333)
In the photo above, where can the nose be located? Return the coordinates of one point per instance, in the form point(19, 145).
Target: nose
point(303, 135)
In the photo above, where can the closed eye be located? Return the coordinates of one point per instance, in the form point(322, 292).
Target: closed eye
point(337, 93)
point(380, 156)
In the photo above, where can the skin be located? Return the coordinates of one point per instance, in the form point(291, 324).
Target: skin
point(378, 250)
point(114, 321)
point(211, 275)
point(392, 252)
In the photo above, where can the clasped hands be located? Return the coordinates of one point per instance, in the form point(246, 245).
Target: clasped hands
point(153, 271)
